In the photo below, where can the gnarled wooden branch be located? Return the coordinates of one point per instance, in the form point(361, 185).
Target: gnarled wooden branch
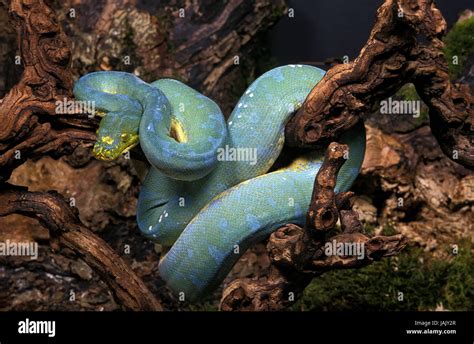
point(394, 54)
point(63, 221)
point(30, 124)
point(298, 255)
point(31, 127)
point(322, 213)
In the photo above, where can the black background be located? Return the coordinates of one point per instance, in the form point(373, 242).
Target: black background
point(323, 29)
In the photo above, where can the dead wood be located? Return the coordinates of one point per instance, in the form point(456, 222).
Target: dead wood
point(298, 254)
point(404, 46)
point(31, 127)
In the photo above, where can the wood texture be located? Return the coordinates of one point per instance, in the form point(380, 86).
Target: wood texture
point(400, 49)
point(62, 220)
point(298, 254)
point(32, 127)
point(395, 54)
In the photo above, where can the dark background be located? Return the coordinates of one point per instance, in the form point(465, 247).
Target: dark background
point(323, 29)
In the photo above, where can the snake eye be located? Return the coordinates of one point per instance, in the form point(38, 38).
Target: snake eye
point(124, 136)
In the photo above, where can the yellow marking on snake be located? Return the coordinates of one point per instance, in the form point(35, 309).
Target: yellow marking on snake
point(107, 140)
point(177, 131)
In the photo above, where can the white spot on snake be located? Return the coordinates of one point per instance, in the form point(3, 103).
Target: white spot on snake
point(247, 92)
point(239, 116)
point(251, 95)
point(240, 105)
point(292, 66)
point(150, 228)
point(166, 214)
point(299, 65)
point(245, 106)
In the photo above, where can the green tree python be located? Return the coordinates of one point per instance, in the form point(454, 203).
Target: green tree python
point(208, 195)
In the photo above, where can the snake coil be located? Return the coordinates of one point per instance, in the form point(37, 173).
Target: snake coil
point(207, 194)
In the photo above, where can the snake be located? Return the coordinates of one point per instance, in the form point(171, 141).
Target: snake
point(208, 195)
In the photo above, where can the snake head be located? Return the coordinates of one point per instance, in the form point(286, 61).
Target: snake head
point(116, 135)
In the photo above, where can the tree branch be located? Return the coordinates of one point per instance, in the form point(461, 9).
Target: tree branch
point(63, 221)
point(28, 112)
point(31, 127)
point(298, 254)
point(394, 55)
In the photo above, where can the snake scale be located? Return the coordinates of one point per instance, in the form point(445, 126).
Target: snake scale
point(206, 206)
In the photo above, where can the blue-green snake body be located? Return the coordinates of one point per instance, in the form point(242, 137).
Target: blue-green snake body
point(207, 206)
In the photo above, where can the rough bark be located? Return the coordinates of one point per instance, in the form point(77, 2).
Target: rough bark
point(62, 220)
point(298, 255)
point(436, 194)
point(410, 185)
point(394, 54)
point(322, 213)
point(32, 127)
point(194, 41)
